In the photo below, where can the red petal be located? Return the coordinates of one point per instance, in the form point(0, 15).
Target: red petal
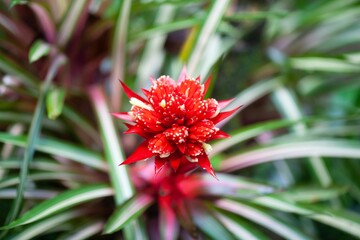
point(183, 74)
point(123, 115)
point(194, 149)
point(160, 145)
point(207, 84)
point(220, 134)
point(175, 161)
point(142, 152)
point(191, 88)
point(221, 116)
point(177, 135)
point(224, 103)
point(206, 165)
point(159, 164)
point(131, 94)
point(202, 131)
point(147, 119)
point(146, 92)
point(137, 130)
point(181, 147)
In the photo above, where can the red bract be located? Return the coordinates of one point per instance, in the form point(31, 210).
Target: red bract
point(176, 121)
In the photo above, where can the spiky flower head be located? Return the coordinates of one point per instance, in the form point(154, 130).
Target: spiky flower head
point(176, 122)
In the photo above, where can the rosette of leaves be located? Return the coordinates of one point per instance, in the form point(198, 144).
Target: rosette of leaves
point(71, 185)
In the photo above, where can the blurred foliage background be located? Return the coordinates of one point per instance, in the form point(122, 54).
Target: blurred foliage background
point(290, 170)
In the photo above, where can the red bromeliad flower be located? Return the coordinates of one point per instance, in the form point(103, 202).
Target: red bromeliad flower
point(176, 121)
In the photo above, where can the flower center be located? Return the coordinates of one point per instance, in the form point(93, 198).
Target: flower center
point(177, 134)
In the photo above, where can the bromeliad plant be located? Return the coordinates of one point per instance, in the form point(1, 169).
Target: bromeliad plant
point(176, 122)
point(66, 147)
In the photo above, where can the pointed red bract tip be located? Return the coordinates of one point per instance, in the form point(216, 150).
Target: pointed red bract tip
point(131, 94)
point(221, 116)
point(220, 134)
point(204, 162)
point(141, 153)
point(135, 129)
point(207, 84)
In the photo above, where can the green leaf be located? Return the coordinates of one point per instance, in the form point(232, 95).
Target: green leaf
point(54, 102)
point(62, 202)
point(345, 221)
point(19, 117)
point(164, 29)
point(225, 185)
point(208, 224)
point(38, 50)
point(70, 21)
point(10, 193)
point(118, 55)
point(10, 181)
point(287, 104)
point(209, 27)
point(45, 225)
point(293, 149)
point(241, 16)
point(12, 68)
point(84, 231)
point(324, 65)
point(262, 218)
point(248, 132)
point(34, 132)
point(310, 194)
point(18, 2)
point(241, 229)
point(120, 179)
point(128, 211)
point(119, 176)
point(60, 148)
point(250, 95)
point(44, 164)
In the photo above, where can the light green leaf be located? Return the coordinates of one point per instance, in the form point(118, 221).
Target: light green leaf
point(70, 21)
point(247, 133)
point(209, 27)
point(119, 176)
point(246, 15)
point(10, 181)
point(208, 224)
point(54, 102)
point(128, 211)
point(38, 50)
point(38, 164)
point(34, 132)
point(293, 149)
point(311, 194)
point(18, 2)
point(241, 229)
point(19, 117)
point(324, 65)
point(345, 221)
point(61, 202)
point(84, 231)
point(261, 218)
point(60, 148)
point(45, 225)
point(12, 68)
point(118, 55)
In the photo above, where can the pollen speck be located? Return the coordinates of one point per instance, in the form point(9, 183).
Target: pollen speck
point(162, 103)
